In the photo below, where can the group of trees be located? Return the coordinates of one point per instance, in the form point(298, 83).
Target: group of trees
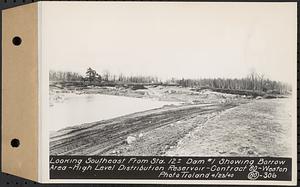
point(93, 76)
point(254, 81)
point(64, 76)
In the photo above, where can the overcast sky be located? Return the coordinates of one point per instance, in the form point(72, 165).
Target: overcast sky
point(190, 40)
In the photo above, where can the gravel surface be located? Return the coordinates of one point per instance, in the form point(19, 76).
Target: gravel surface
point(259, 128)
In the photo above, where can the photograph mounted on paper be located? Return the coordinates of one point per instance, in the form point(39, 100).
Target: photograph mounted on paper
point(170, 80)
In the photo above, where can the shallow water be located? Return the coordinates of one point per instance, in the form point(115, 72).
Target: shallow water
point(79, 109)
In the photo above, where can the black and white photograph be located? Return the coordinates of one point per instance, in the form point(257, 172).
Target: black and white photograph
point(175, 81)
point(168, 92)
point(182, 81)
point(150, 92)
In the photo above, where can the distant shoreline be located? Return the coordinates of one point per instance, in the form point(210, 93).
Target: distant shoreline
point(138, 129)
point(139, 90)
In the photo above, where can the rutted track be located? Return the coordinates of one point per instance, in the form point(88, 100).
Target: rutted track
point(98, 137)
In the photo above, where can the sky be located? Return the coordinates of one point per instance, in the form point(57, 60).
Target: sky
point(181, 40)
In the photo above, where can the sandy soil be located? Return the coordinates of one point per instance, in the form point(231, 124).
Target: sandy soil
point(259, 128)
point(112, 136)
point(162, 93)
point(207, 124)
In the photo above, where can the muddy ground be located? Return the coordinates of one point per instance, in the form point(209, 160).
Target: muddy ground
point(113, 136)
point(259, 128)
point(207, 124)
point(161, 93)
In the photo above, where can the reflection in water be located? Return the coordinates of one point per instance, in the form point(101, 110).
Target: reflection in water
point(79, 109)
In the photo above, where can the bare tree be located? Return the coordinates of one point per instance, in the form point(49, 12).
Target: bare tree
point(106, 75)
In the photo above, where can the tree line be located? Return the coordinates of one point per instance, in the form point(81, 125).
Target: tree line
point(262, 85)
point(62, 76)
point(252, 82)
point(93, 76)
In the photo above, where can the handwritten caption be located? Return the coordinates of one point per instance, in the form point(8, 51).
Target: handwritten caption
point(171, 168)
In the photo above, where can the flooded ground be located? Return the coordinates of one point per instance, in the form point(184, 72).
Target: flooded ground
point(169, 121)
point(79, 109)
point(143, 133)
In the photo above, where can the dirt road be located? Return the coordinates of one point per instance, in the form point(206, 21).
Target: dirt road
point(109, 137)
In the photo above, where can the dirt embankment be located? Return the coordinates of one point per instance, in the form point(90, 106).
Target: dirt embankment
point(259, 128)
point(161, 93)
point(152, 132)
point(206, 124)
